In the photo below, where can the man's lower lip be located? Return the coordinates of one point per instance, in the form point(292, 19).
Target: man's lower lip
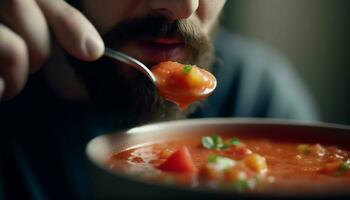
point(155, 52)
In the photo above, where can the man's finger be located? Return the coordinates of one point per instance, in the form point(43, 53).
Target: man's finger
point(26, 19)
point(75, 33)
point(13, 61)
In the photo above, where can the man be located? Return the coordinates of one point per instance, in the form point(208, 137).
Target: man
point(69, 100)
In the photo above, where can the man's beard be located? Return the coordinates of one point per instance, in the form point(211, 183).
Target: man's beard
point(128, 95)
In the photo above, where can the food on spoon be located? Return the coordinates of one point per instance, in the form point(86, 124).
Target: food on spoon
point(183, 84)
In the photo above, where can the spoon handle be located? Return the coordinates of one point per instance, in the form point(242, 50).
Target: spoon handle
point(130, 61)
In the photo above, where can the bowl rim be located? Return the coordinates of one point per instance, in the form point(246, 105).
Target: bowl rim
point(230, 120)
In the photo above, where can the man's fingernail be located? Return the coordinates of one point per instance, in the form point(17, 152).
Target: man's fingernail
point(93, 45)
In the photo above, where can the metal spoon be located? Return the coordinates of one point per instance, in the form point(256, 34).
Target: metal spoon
point(179, 98)
point(130, 61)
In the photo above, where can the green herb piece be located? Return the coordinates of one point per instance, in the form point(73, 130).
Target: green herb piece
point(219, 142)
point(235, 141)
point(343, 167)
point(304, 149)
point(240, 185)
point(208, 142)
point(213, 142)
point(212, 158)
point(187, 69)
point(217, 139)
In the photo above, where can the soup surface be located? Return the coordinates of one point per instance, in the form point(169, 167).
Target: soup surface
point(241, 163)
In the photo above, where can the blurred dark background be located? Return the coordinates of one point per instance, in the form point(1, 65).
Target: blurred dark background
point(313, 35)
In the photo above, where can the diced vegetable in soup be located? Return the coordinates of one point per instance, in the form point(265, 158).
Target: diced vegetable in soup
point(240, 163)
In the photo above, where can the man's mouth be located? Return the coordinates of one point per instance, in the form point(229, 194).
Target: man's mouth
point(156, 50)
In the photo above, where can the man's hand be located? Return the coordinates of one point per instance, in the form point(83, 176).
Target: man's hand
point(25, 38)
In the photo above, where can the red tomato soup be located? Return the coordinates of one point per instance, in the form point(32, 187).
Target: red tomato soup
point(241, 163)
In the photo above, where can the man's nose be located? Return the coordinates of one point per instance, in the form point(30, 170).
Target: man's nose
point(174, 9)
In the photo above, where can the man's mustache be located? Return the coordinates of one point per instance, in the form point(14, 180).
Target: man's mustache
point(151, 27)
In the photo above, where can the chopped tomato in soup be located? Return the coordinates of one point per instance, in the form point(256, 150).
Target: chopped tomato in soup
point(179, 161)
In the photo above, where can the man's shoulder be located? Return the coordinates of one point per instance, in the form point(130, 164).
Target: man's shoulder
point(255, 80)
point(232, 48)
point(250, 61)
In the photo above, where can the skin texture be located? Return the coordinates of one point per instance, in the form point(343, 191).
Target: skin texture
point(82, 32)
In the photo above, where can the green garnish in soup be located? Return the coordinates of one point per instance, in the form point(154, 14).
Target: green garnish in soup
point(343, 167)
